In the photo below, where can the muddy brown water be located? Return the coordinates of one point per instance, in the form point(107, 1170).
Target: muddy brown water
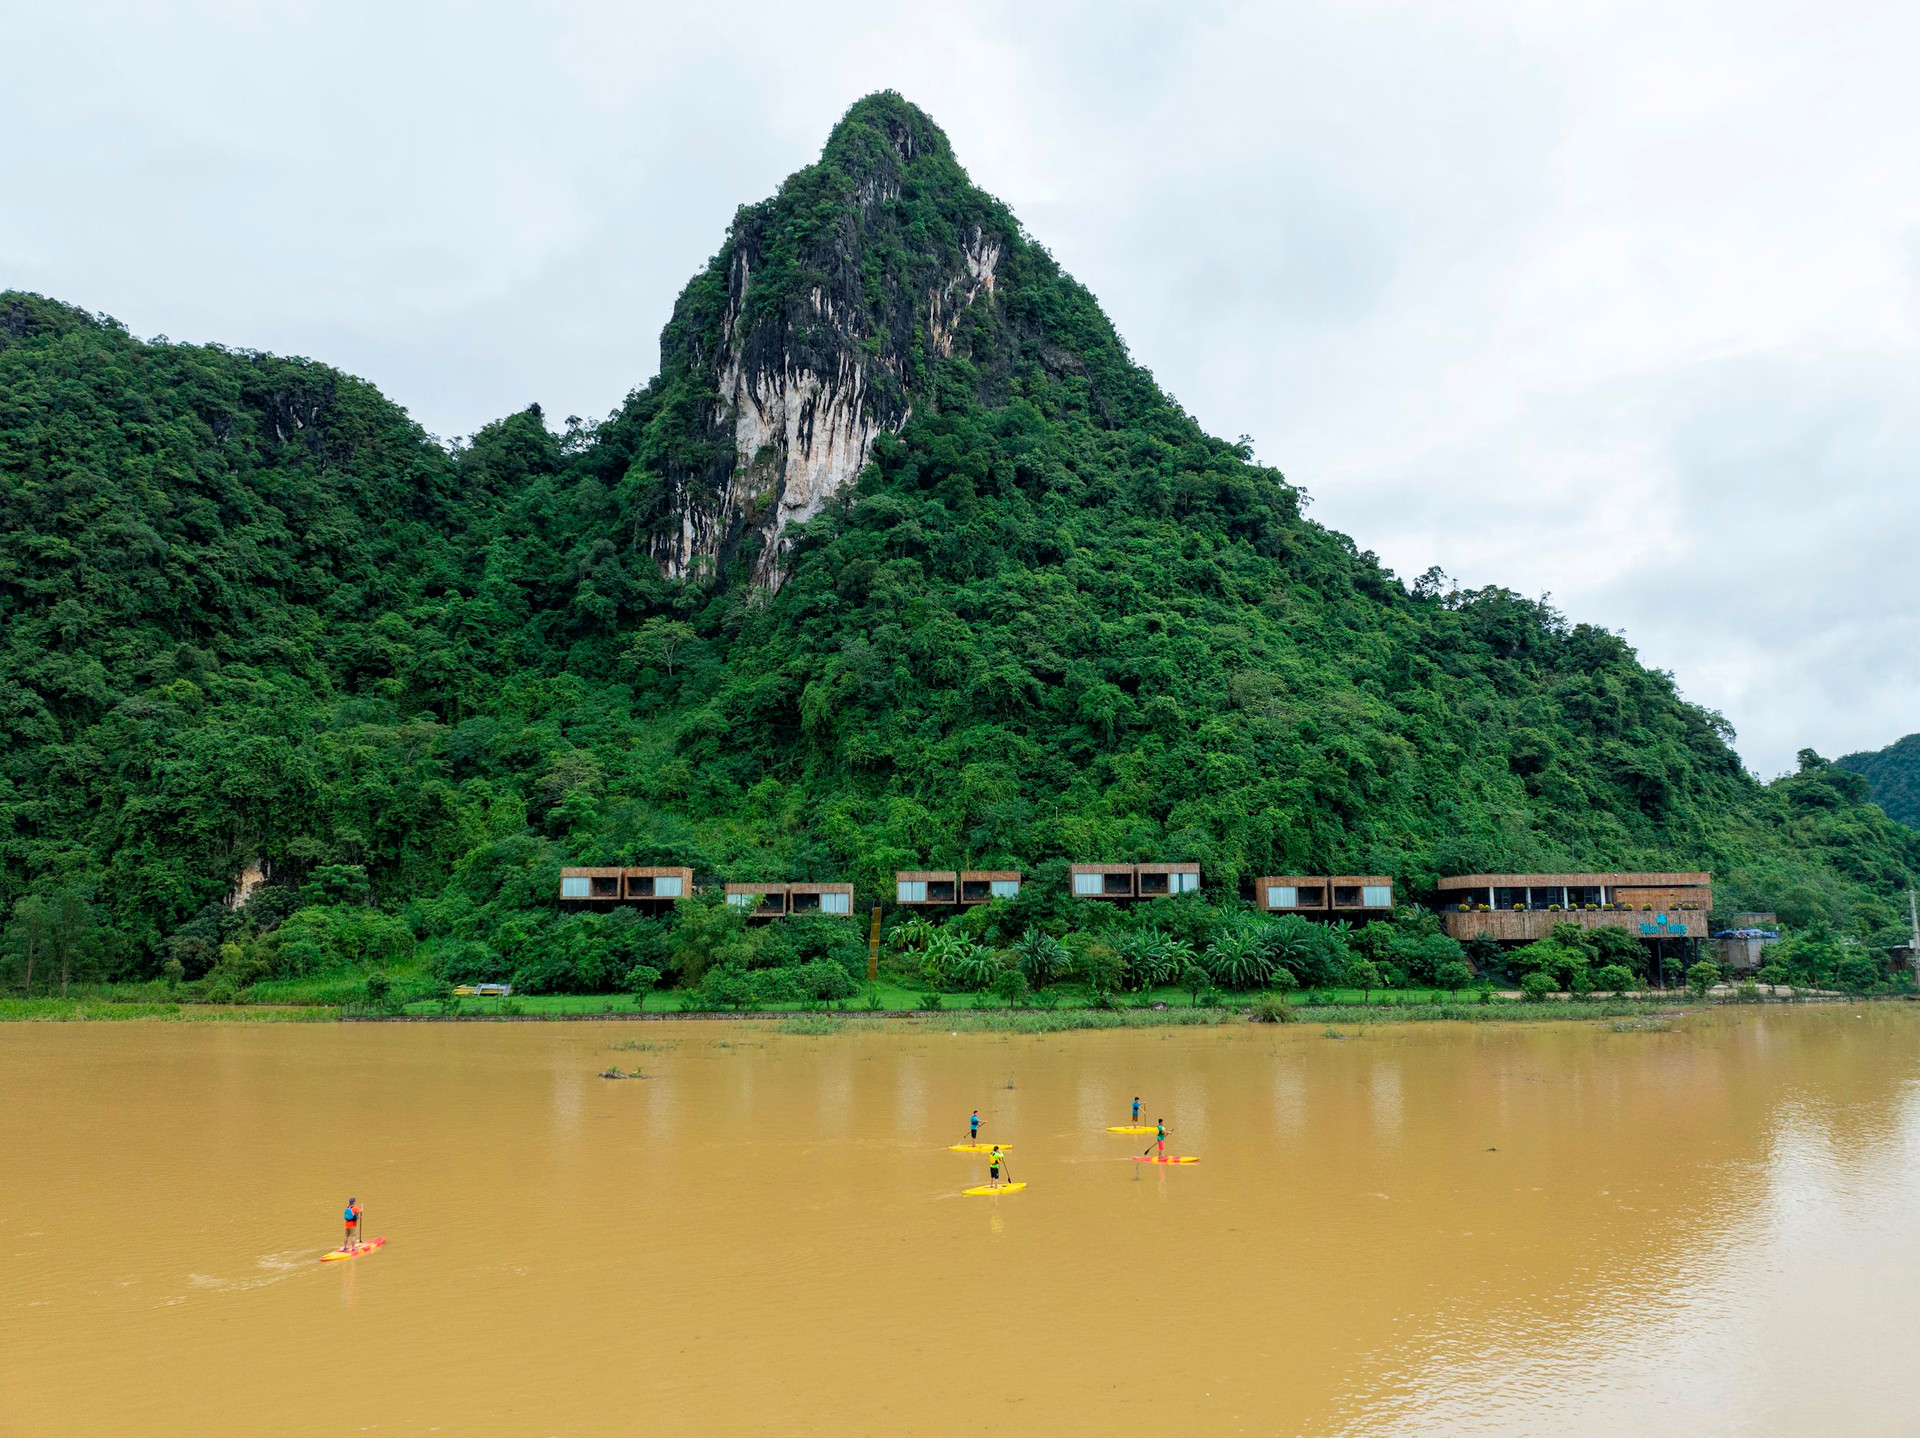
point(1415, 1229)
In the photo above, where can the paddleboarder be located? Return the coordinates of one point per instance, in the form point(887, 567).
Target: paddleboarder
point(1160, 1137)
point(994, 1160)
point(352, 1217)
point(1136, 1108)
point(973, 1129)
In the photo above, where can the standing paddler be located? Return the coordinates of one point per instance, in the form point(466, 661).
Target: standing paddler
point(973, 1128)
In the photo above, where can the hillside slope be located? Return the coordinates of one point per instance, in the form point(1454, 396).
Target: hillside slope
point(899, 560)
point(1894, 774)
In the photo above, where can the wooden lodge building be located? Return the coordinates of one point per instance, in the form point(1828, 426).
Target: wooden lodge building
point(941, 888)
point(779, 901)
point(1119, 883)
point(656, 889)
point(1354, 897)
point(603, 890)
point(1520, 908)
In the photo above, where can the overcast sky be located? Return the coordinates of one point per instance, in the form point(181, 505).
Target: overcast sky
point(1617, 303)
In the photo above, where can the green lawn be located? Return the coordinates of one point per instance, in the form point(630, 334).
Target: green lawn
point(894, 996)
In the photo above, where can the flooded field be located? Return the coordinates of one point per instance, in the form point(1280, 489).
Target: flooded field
point(1445, 1229)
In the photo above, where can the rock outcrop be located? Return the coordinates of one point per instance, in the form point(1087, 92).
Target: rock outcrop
point(818, 344)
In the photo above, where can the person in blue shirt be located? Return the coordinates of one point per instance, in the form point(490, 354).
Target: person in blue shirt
point(1136, 1108)
point(352, 1216)
point(973, 1128)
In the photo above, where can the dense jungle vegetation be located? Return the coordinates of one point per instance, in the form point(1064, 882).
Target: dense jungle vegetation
point(1893, 777)
point(251, 612)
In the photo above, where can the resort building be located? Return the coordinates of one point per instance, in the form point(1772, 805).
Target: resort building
point(603, 889)
point(1519, 908)
point(1121, 882)
point(926, 888)
point(779, 900)
point(1348, 896)
point(935, 888)
point(983, 886)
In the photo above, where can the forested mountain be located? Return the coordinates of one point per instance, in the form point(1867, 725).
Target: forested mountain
point(1894, 774)
point(900, 560)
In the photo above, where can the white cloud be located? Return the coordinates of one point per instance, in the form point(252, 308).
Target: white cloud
point(1616, 302)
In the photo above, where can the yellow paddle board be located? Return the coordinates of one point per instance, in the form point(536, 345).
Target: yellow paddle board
point(359, 1248)
point(977, 1147)
point(1169, 1159)
point(1004, 1188)
point(1131, 1128)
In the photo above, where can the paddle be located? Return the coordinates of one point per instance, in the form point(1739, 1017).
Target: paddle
point(1151, 1147)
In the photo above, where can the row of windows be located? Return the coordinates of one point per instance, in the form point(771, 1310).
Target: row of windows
point(581, 886)
point(915, 891)
point(1288, 896)
point(1096, 886)
point(824, 903)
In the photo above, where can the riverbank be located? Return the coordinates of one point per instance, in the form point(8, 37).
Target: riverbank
point(838, 1020)
point(961, 1014)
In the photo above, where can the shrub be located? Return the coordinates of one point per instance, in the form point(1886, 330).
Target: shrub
point(779, 985)
point(825, 981)
point(1011, 986)
point(1856, 975)
point(1238, 956)
point(1703, 976)
point(1149, 958)
point(319, 940)
point(1365, 976)
point(641, 980)
point(1537, 985)
point(726, 986)
point(1195, 981)
point(1099, 968)
point(1041, 957)
point(464, 961)
point(1310, 952)
point(707, 932)
point(956, 962)
point(1453, 975)
point(1270, 1010)
point(380, 993)
point(1773, 974)
point(1613, 979)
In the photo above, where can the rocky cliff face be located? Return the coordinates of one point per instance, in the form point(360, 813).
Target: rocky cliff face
point(808, 334)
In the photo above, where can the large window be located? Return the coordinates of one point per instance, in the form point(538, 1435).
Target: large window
point(1087, 885)
point(667, 888)
point(912, 891)
point(1509, 898)
point(1376, 896)
point(1282, 896)
point(1005, 888)
point(573, 887)
point(744, 901)
point(1580, 898)
point(1547, 896)
point(1185, 883)
point(836, 903)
